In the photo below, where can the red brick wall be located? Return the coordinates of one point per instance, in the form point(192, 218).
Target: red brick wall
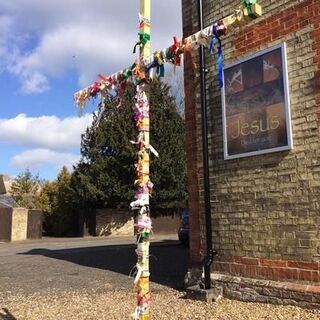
point(272, 231)
point(269, 269)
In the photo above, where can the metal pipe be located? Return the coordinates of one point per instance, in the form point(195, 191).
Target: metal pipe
point(210, 253)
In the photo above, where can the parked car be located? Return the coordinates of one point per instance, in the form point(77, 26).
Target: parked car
point(183, 232)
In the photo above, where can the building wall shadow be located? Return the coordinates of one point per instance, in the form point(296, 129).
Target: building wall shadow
point(168, 260)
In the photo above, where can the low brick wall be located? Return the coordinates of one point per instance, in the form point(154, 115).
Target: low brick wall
point(120, 222)
point(5, 224)
point(254, 290)
point(18, 224)
point(167, 224)
point(34, 228)
point(269, 269)
point(114, 222)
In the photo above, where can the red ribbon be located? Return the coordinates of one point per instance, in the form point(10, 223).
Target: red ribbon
point(146, 299)
point(107, 80)
point(176, 51)
point(94, 89)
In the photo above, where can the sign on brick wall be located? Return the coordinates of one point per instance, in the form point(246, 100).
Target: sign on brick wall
point(256, 111)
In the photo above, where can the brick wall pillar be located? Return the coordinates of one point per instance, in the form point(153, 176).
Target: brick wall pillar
point(193, 138)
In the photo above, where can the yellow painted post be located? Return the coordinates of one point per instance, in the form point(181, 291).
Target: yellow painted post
point(143, 221)
point(145, 28)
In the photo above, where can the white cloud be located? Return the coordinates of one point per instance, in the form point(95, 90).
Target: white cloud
point(36, 158)
point(44, 39)
point(8, 45)
point(74, 52)
point(34, 82)
point(48, 132)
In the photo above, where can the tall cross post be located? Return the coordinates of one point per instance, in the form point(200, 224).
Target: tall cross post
point(143, 220)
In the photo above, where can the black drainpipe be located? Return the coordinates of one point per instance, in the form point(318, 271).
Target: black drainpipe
point(207, 261)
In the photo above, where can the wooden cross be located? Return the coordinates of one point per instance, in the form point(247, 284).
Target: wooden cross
point(248, 10)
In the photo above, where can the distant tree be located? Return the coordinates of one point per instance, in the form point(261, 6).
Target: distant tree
point(58, 205)
point(168, 172)
point(105, 175)
point(25, 190)
point(48, 197)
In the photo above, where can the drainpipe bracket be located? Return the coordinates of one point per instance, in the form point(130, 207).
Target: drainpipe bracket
point(208, 259)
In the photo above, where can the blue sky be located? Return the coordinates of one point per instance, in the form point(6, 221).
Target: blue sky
point(50, 49)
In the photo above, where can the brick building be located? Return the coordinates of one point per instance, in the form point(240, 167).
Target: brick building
point(265, 209)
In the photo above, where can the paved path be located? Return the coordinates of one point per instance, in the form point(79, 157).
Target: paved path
point(13, 248)
point(99, 263)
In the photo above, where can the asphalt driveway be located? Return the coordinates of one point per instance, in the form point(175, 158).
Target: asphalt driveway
point(97, 263)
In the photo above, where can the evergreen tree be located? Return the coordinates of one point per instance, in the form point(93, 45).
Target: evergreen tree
point(168, 172)
point(105, 175)
point(58, 205)
point(25, 190)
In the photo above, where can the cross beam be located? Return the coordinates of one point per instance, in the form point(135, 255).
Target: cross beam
point(248, 11)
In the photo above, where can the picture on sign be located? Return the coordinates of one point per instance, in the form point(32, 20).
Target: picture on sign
point(256, 112)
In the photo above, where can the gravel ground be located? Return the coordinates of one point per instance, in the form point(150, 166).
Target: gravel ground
point(57, 282)
point(168, 304)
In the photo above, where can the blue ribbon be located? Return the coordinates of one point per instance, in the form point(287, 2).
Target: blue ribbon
point(220, 66)
point(215, 37)
point(156, 64)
